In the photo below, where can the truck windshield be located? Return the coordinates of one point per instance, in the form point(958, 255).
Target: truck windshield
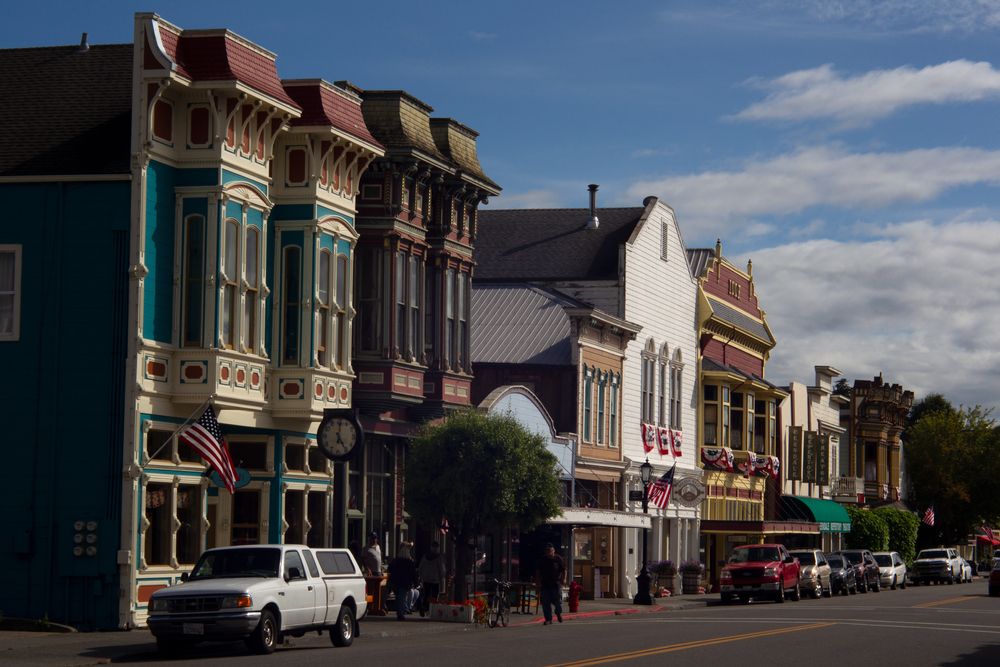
point(933, 553)
point(237, 563)
point(754, 555)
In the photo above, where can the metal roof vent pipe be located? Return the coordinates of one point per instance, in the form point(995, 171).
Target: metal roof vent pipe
point(84, 46)
point(593, 223)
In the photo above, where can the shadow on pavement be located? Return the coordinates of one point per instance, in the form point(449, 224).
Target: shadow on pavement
point(988, 655)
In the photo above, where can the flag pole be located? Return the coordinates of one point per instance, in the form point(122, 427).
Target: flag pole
point(184, 423)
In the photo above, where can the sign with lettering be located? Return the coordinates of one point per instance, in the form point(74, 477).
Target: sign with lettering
point(810, 457)
point(823, 468)
point(794, 468)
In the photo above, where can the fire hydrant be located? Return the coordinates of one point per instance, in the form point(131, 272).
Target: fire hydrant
point(574, 596)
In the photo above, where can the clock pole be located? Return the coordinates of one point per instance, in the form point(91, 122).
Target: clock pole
point(340, 501)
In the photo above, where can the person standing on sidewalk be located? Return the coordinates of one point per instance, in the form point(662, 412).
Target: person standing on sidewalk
point(549, 577)
point(402, 579)
point(432, 575)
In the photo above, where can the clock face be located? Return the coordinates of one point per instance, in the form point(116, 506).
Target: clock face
point(337, 437)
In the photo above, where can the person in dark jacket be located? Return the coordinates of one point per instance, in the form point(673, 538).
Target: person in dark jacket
point(550, 576)
point(402, 578)
point(432, 576)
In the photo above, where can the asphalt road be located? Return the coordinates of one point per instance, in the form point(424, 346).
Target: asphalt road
point(926, 625)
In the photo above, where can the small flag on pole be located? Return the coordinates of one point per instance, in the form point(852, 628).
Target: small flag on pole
point(929, 516)
point(205, 437)
point(659, 492)
point(988, 532)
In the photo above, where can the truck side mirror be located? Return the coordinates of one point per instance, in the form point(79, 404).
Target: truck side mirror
point(185, 576)
point(789, 559)
point(293, 573)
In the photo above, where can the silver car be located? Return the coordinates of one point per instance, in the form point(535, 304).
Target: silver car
point(891, 569)
point(814, 575)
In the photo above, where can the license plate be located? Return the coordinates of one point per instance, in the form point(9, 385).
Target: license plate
point(193, 629)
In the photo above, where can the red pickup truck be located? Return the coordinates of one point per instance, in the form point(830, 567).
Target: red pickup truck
point(760, 571)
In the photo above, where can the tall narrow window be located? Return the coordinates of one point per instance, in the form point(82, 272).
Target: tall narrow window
point(463, 322)
point(760, 427)
point(251, 300)
point(449, 327)
point(750, 404)
point(194, 279)
point(725, 417)
point(662, 417)
point(588, 402)
point(430, 314)
point(676, 388)
point(291, 288)
point(736, 440)
point(413, 284)
point(10, 292)
point(400, 299)
point(369, 289)
point(613, 412)
point(230, 277)
point(340, 351)
point(602, 386)
point(710, 414)
point(323, 309)
point(772, 431)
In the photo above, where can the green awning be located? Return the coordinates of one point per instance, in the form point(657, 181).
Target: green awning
point(831, 516)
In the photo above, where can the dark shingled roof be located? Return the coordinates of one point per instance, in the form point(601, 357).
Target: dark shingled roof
point(551, 244)
point(324, 104)
point(64, 112)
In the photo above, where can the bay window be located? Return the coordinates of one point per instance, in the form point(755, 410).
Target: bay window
point(193, 272)
point(449, 328)
point(400, 300)
point(323, 307)
point(462, 334)
point(251, 297)
point(710, 414)
point(291, 291)
point(430, 314)
point(230, 276)
point(413, 298)
point(341, 354)
point(369, 291)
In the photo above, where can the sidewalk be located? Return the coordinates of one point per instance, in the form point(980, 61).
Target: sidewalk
point(45, 649)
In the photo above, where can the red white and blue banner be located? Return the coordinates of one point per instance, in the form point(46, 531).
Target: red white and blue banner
point(718, 458)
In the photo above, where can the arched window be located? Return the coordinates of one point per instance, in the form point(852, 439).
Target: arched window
point(340, 351)
point(251, 299)
point(602, 386)
point(588, 402)
point(662, 418)
point(648, 382)
point(676, 389)
point(615, 380)
point(193, 281)
point(323, 308)
point(230, 281)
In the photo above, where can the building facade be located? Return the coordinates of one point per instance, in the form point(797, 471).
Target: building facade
point(809, 419)
point(739, 441)
point(630, 263)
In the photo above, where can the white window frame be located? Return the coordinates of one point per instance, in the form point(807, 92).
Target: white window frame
point(174, 481)
point(308, 490)
point(15, 333)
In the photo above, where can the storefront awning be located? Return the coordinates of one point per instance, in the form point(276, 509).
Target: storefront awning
point(992, 541)
point(831, 516)
point(591, 516)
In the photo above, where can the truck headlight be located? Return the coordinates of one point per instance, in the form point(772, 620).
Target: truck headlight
point(161, 604)
point(237, 601)
point(727, 575)
point(770, 572)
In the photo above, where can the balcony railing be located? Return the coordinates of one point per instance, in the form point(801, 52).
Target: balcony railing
point(847, 486)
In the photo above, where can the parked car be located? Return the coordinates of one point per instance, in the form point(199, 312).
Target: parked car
point(842, 576)
point(815, 572)
point(260, 593)
point(760, 571)
point(891, 568)
point(938, 565)
point(994, 586)
point(967, 571)
point(867, 573)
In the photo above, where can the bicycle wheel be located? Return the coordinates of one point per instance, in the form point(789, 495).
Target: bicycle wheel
point(504, 614)
point(493, 612)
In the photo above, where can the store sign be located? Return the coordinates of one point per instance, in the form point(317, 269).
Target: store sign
point(810, 459)
point(242, 478)
point(689, 491)
point(793, 470)
point(823, 466)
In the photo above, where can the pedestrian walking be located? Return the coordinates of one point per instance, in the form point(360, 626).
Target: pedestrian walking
point(402, 578)
point(371, 557)
point(550, 575)
point(432, 575)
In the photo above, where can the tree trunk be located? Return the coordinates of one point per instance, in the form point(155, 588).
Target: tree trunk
point(463, 563)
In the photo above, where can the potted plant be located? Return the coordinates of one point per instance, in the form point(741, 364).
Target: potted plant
point(691, 571)
point(664, 571)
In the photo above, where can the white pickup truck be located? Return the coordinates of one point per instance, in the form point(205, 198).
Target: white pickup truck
point(938, 565)
point(259, 593)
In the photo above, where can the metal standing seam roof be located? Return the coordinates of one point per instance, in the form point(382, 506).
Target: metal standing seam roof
point(728, 314)
point(520, 324)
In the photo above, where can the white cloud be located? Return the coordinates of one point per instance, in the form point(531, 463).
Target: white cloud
point(825, 175)
point(911, 303)
point(823, 93)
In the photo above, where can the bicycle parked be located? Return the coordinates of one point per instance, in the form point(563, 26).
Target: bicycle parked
point(498, 605)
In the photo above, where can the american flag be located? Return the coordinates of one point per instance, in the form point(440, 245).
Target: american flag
point(659, 492)
point(205, 437)
point(929, 516)
point(988, 532)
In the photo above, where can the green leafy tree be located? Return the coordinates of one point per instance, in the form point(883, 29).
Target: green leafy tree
point(868, 530)
point(953, 463)
point(842, 388)
point(483, 472)
point(902, 527)
point(928, 405)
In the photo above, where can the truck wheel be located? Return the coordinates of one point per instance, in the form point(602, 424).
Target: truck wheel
point(342, 634)
point(265, 637)
point(796, 593)
point(780, 595)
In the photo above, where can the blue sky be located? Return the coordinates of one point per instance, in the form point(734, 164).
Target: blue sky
point(850, 148)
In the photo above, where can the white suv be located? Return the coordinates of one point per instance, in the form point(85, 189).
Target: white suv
point(891, 569)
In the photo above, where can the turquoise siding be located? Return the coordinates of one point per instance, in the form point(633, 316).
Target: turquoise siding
point(324, 212)
point(62, 399)
point(158, 288)
point(232, 177)
point(293, 212)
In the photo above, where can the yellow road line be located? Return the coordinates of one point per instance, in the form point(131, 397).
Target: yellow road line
point(670, 648)
point(936, 603)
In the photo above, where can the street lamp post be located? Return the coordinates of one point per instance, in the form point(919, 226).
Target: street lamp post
point(642, 595)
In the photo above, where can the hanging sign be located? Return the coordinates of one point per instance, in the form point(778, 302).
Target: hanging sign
point(794, 468)
point(242, 478)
